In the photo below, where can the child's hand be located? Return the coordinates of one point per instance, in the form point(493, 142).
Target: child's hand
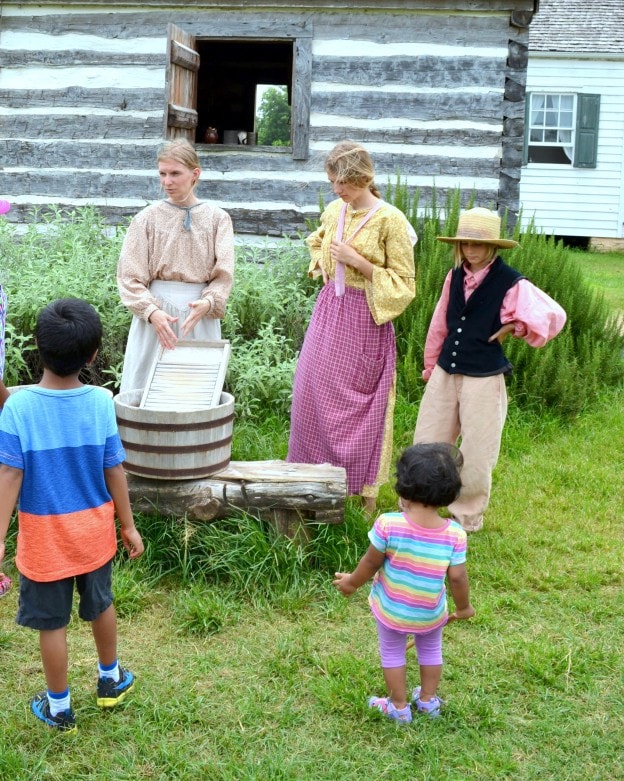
point(502, 333)
point(132, 542)
point(461, 615)
point(343, 583)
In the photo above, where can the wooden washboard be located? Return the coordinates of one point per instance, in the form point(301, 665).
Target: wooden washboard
point(189, 377)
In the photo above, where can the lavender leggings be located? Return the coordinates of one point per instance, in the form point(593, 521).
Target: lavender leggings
point(392, 646)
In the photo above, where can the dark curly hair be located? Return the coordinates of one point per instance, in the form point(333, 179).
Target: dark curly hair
point(429, 474)
point(68, 333)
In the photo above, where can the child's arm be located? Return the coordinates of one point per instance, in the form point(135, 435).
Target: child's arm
point(10, 485)
point(4, 394)
point(460, 591)
point(532, 314)
point(348, 582)
point(117, 485)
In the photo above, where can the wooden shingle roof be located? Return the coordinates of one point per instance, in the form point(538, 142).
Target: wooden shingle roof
point(587, 26)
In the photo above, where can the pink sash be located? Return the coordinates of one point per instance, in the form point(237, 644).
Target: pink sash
point(339, 276)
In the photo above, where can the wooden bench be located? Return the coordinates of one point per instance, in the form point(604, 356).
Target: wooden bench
point(293, 497)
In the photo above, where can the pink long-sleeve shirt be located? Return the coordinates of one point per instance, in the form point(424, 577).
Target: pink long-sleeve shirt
point(536, 316)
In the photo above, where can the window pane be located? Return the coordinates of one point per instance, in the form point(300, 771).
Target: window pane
point(565, 119)
point(536, 135)
point(552, 101)
point(537, 118)
point(551, 119)
point(567, 102)
point(550, 136)
point(537, 102)
point(565, 136)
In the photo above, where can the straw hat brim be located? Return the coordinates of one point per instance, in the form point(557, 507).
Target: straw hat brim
point(502, 243)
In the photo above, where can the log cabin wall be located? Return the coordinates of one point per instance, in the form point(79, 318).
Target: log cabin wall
point(435, 90)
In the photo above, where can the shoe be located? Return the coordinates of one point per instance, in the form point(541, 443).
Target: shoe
point(431, 708)
point(384, 705)
point(5, 584)
point(63, 722)
point(110, 692)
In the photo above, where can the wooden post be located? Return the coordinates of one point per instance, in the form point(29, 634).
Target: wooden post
point(286, 495)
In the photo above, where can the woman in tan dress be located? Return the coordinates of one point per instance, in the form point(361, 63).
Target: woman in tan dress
point(176, 266)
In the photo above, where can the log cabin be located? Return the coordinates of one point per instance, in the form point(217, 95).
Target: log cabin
point(90, 88)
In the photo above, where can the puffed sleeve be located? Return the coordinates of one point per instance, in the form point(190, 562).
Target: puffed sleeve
point(133, 272)
point(538, 318)
point(315, 243)
point(393, 286)
point(219, 286)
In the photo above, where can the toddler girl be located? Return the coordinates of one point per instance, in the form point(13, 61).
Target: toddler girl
point(410, 555)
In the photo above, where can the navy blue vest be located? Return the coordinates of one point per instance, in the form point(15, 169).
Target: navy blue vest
point(466, 349)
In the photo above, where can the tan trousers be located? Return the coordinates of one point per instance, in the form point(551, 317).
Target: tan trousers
point(474, 409)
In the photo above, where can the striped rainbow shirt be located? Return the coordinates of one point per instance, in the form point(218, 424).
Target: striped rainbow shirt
point(408, 592)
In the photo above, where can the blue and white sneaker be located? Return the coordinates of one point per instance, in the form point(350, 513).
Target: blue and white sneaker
point(110, 692)
point(63, 722)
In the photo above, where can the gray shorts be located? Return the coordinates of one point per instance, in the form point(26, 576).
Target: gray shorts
point(47, 606)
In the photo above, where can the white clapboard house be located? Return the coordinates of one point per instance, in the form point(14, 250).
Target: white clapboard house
point(89, 88)
point(572, 182)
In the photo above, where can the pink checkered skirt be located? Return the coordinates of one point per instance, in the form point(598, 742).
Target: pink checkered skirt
point(342, 382)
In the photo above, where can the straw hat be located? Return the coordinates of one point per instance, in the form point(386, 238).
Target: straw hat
point(481, 226)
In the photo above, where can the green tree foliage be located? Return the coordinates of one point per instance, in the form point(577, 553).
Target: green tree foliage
point(274, 118)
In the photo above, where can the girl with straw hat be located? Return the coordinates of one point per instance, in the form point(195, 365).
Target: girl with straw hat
point(483, 299)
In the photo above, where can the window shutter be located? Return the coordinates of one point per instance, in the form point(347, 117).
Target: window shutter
point(527, 128)
point(586, 144)
point(181, 84)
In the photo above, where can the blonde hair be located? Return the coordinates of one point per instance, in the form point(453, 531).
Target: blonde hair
point(350, 163)
point(180, 150)
point(459, 258)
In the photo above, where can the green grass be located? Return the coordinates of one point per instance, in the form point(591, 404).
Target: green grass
point(251, 667)
point(605, 271)
point(260, 680)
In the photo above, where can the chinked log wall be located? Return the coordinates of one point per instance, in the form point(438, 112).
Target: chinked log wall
point(438, 97)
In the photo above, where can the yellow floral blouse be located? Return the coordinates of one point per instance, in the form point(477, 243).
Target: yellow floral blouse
point(386, 241)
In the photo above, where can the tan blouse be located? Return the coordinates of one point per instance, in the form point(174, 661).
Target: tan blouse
point(385, 242)
point(157, 245)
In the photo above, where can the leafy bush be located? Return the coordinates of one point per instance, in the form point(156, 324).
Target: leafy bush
point(565, 374)
point(70, 254)
point(75, 254)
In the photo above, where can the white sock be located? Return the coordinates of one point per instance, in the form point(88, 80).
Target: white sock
point(109, 671)
point(58, 702)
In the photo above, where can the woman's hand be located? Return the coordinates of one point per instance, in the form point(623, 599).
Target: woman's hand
point(344, 253)
point(160, 322)
point(199, 309)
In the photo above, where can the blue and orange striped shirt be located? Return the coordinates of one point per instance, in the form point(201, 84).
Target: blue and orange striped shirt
point(408, 592)
point(63, 440)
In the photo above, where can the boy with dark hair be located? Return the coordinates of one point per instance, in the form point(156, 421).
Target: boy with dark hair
point(61, 455)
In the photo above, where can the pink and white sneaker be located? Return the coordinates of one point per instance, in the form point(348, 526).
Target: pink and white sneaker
point(384, 705)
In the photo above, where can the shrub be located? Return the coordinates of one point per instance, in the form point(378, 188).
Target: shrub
point(75, 254)
point(565, 374)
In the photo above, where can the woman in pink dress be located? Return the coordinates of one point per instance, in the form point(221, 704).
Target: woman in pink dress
point(343, 394)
